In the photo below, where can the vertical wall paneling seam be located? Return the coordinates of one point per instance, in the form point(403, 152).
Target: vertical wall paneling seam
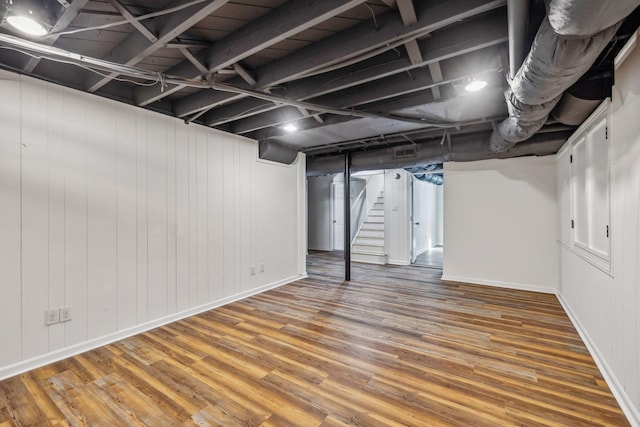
point(117, 192)
point(86, 100)
point(208, 219)
point(64, 216)
point(47, 141)
point(146, 222)
point(20, 141)
point(166, 209)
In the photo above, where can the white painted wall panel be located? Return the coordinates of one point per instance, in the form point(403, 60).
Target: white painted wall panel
point(101, 246)
point(157, 287)
point(10, 220)
point(182, 219)
point(131, 218)
point(35, 222)
point(142, 213)
point(75, 230)
point(171, 219)
point(606, 307)
point(193, 216)
point(397, 213)
point(202, 223)
point(127, 314)
point(215, 208)
point(229, 217)
point(55, 136)
point(500, 225)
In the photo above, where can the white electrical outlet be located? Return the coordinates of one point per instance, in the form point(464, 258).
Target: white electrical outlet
point(65, 314)
point(262, 268)
point(52, 316)
point(253, 270)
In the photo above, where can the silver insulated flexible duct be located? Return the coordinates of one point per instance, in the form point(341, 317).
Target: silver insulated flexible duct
point(570, 39)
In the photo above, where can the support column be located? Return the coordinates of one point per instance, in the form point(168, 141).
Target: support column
point(347, 217)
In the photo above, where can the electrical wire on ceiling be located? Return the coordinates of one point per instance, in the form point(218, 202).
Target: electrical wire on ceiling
point(98, 65)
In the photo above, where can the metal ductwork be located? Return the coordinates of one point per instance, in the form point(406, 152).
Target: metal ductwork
point(277, 152)
point(430, 173)
point(464, 148)
point(583, 18)
point(567, 44)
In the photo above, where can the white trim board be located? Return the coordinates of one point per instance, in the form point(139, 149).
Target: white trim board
point(632, 414)
point(498, 284)
point(55, 356)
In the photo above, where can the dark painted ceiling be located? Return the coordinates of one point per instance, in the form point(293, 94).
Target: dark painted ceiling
point(350, 74)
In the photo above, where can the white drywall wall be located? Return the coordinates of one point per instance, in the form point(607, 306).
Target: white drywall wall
point(500, 224)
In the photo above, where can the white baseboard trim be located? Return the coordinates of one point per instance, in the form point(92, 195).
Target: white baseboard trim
point(55, 356)
point(630, 411)
point(398, 262)
point(498, 284)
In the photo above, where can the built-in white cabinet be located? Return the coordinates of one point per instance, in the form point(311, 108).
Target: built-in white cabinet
point(590, 193)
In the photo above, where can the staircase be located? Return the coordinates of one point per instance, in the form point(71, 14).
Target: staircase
point(368, 245)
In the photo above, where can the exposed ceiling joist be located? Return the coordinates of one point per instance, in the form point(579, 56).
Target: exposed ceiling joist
point(246, 75)
point(69, 15)
point(394, 86)
point(136, 46)
point(413, 50)
point(407, 11)
point(277, 25)
point(436, 75)
point(191, 58)
point(344, 45)
point(477, 34)
point(140, 26)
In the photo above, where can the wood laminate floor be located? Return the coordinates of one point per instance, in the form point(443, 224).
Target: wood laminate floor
point(433, 257)
point(396, 346)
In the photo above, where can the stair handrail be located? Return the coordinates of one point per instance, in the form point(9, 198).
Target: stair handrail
point(357, 218)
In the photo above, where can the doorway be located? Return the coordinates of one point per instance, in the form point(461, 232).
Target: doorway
point(337, 191)
point(426, 219)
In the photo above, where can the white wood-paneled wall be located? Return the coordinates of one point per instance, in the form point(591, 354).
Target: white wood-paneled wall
point(130, 218)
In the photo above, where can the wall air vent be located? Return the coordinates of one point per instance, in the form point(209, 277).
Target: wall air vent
point(406, 152)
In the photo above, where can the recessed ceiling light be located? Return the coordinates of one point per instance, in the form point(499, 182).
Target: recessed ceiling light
point(475, 85)
point(289, 127)
point(27, 25)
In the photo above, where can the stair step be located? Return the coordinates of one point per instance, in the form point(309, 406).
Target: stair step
point(376, 212)
point(378, 250)
point(378, 205)
point(376, 219)
point(373, 241)
point(373, 226)
point(365, 232)
point(369, 258)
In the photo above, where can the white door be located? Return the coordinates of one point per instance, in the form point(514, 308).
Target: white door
point(422, 221)
point(338, 215)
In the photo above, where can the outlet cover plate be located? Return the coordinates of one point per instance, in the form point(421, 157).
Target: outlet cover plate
point(52, 316)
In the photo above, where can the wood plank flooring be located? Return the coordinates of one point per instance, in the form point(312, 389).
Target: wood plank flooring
point(396, 346)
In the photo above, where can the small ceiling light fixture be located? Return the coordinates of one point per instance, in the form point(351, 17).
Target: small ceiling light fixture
point(290, 127)
point(35, 18)
point(475, 85)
